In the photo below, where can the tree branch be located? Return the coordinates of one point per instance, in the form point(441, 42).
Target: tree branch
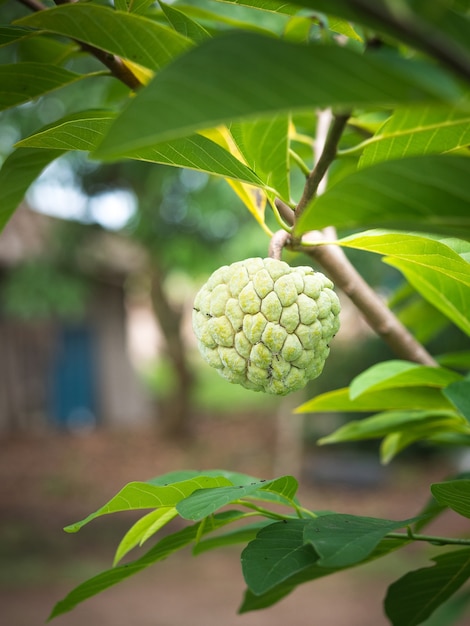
point(327, 156)
point(114, 63)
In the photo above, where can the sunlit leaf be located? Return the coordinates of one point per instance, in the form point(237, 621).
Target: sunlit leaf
point(388, 422)
point(225, 85)
point(184, 24)
point(415, 596)
point(143, 529)
point(145, 495)
point(127, 35)
point(438, 273)
point(394, 374)
point(455, 494)
point(416, 398)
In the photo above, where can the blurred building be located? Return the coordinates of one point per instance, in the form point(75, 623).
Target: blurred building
point(69, 373)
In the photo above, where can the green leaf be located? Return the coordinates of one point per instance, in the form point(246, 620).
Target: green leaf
point(397, 374)
point(204, 502)
point(414, 597)
point(160, 551)
point(127, 35)
point(277, 553)
point(11, 34)
point(388, 422)
point(133, 6)
point(184, 24)
point(428, 193)
point(143, 529)
point(19, 170)
point(22, 82)
point(417, 398)
point(342, 540)
point(415, 131)
point(145, 495)
point(265, 146)
point(459, 394)
point(263, 600)
point(457, 360)
point(438, 273)
point(84, 130)
point(455, 494)
point(225, 85)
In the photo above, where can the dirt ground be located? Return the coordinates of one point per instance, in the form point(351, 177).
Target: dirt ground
point(50, 480)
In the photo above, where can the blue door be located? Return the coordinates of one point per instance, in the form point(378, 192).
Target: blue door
point(73, 379)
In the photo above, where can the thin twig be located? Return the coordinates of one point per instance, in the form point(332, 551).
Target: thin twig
point(115, 64)
point(327, 156)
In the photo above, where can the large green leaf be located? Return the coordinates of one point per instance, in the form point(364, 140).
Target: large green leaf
point(415, 398)
point(22, 82)
point(145, 495)
point(17, 173)
point(342, 540)
point(388, 422)
point(225, 85)
point(391, 374)
point(417, 193)
point(160, 551)
point(143, 529)
point(437, 272)
point(411, 132)
point(84, 130)
point(277, 553)
point(415, 596)
point(130, 36)
point(263, 600)
point(10, 34)
point(455, 494)
point(204, 502)
point(265, 145)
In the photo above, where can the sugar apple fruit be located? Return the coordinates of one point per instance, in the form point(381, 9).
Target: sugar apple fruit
point(266, 325)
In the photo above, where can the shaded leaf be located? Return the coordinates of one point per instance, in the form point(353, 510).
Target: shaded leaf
point(84, 130)
point(225, 85)
point(455, 494)
point(405, 194)
point(416, 398)
point(19, 170)
point(459, 394)
point(145, 495)
point(342, 540)
point(277, 553)
point(22, 82)
point(204, 502)
point(143, 529)
point(10, 34)
point(414, 597)
point(127, 35)
point(415, 131)
point(396, 373)
point(263, 600)
point(457, 360)
point(160, 551)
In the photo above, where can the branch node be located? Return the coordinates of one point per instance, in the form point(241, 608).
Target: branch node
point(279, 240)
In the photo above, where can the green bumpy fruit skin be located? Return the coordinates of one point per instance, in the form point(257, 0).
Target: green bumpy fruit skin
point(266, 325)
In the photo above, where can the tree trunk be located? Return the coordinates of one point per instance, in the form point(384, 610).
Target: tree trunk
point(176, 411)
